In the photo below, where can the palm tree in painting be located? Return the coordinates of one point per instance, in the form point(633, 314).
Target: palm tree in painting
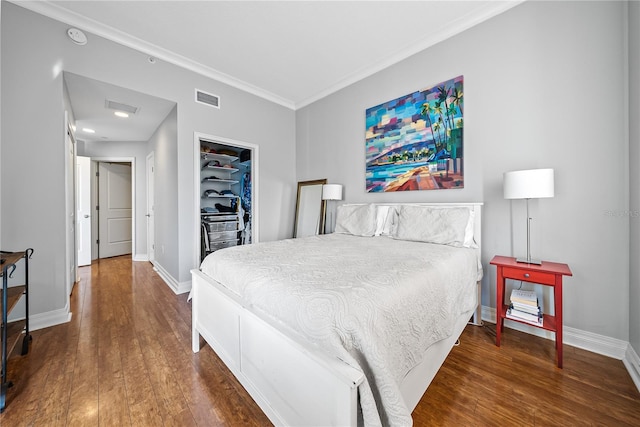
point(443, 95)
point(444, 129)
point(436, 128)
point(440, 111)
point(426, 112)
point(457, 99)
point(451, 112)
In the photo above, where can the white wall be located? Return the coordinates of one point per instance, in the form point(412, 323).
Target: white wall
point(542, 86)
point(634, 173)
point(35, 51)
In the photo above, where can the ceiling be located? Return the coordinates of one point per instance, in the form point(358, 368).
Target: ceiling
point(94, 104)
point(289, 52)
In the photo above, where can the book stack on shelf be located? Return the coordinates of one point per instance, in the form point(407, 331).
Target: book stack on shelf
point(524, 307)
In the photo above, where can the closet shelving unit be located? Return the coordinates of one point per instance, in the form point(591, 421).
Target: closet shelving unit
point(221, 228)
point(13, 331)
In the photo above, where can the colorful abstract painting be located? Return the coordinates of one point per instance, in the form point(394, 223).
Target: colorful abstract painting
point(415, 142)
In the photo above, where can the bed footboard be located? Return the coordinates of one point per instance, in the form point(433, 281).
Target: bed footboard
point(292, 383)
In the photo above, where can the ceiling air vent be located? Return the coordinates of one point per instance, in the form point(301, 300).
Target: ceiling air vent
point(119, 106)
point(207, 99)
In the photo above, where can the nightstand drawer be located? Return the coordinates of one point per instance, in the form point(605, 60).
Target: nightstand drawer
point(529, 276)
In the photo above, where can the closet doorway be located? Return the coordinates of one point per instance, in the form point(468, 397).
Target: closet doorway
point(226, 193)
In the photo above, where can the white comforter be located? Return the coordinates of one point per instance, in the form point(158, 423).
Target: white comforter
point(374, 302)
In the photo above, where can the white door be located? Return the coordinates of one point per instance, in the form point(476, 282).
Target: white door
point(150, 205)
point(83, 208)
point(114, 214)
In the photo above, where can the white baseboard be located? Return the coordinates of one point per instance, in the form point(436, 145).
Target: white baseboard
point(140, 257)
point(50, 318)
point(595, 343)
point(177, 287)
point(632, 363)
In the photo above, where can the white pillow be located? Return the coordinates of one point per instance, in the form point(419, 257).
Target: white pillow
point(358, 220)
point(390, 222)
point(445, 226)
point(381, 219)
point(469, 241)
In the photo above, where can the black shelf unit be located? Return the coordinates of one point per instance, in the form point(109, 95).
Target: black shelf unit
point(13, 331)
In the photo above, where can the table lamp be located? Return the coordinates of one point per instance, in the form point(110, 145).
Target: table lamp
point(331, 192)
point(528, 184)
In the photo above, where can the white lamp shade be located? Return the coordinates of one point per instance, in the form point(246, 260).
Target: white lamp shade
point(332, 192)
point(528, 184)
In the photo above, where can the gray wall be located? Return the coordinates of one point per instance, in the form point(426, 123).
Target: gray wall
point(35, 51)
point(542, 85)
point(162, 143)
point(33, 176)
point(634, 173)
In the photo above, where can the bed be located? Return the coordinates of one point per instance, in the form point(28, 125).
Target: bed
point(349, 328)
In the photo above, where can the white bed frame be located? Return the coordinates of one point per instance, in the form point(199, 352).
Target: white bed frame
point(293, 382)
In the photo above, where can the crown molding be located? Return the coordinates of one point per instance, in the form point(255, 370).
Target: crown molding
point(463, 23)
point(61, 14)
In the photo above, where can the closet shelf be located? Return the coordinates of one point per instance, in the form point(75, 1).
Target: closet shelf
point(226, 181)
point(220, 168)
point(216, 156)
point(220, 196)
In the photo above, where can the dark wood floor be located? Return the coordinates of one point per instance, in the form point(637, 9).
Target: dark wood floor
point(125, 359)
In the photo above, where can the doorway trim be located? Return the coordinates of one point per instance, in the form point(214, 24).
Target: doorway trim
point(70, 196)
point(131, 160)
point(255, 156)
point(150, 206)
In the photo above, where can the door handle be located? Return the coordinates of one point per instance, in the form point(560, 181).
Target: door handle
point(86, 216)
point(148, 215)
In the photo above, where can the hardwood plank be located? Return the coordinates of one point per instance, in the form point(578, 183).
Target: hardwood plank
point(83, 399)
point(142, 410)
point(112, 403)
point(125, 359)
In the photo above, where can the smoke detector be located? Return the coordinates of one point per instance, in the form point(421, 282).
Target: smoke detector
point(77, 36)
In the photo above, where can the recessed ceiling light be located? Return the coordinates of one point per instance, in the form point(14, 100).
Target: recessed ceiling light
point(87, 130)
point(121, 114)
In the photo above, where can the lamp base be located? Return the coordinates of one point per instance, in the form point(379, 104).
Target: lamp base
point(529, 261)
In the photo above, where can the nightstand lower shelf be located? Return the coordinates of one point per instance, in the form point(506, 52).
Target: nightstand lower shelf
point(548, 320)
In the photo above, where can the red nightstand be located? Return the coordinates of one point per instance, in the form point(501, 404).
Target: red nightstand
point(548, 274)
